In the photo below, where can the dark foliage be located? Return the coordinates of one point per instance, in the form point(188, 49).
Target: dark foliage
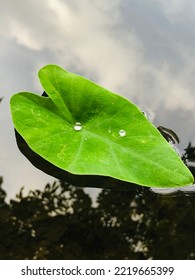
point(61, 223)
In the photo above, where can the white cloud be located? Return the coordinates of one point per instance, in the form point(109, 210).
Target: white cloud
point(91, 36)
point(174, 89)
point(177, 11)
point(84, 36)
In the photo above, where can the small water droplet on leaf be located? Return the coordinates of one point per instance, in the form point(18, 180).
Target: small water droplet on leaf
point(122, 133)
point(77, 126)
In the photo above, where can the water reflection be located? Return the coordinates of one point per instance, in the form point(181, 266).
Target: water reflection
point(128, 221)
point(188, 158)
point(61, 222)
point(163, 191)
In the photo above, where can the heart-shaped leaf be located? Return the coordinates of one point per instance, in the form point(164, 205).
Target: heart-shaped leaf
point(85, 129)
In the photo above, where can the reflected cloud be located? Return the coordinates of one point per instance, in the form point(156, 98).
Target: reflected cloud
point(177, 9)
point(167, 191)
point(102, 44)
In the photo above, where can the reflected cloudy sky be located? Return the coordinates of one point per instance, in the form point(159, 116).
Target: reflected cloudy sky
point(143, 50)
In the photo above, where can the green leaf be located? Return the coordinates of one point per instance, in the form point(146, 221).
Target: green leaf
point(86, 129)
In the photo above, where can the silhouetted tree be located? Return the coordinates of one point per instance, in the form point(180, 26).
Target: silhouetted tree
point(60, 222)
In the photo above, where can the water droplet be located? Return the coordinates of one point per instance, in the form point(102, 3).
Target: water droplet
point(109, 131)
point(122, 133)
point(145, 114)
point(77, 126)
point(148, 114)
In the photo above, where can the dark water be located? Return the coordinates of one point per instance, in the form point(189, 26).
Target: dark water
point(60, 222)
